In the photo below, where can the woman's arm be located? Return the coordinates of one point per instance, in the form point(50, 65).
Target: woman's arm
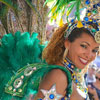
point(96, 97)
point(57, 77)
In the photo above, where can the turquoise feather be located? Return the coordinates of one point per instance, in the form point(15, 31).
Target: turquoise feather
point(17, 51)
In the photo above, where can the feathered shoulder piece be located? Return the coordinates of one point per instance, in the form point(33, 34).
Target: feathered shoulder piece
point(19, 49)
point(27, 79)
point(16, 51)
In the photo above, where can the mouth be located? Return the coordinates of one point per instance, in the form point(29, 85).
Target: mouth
point(83, 61)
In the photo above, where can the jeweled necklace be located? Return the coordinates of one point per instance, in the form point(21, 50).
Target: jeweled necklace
point(76, 77)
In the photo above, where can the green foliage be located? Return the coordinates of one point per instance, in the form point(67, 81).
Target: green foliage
point(3, 16)
point(11, 4)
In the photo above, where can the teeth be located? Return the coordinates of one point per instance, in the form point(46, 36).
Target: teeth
point(84, 61)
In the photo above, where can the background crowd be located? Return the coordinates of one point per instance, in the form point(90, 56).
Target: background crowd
point(92, 78)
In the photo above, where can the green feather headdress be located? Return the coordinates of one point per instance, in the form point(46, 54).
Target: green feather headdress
point(58, 9)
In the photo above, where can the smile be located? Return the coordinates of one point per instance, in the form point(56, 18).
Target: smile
point(83, 61)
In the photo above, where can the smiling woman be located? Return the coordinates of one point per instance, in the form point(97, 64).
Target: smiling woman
point(71, 48)
point(81, 50)
point(86, 47)
point(65, 57)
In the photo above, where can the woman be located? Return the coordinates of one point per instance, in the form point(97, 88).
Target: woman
point(71, 48)
point(82, 49)
point(94, 88)
point(66, 55)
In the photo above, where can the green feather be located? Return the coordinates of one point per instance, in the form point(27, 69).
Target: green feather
point(31, 83)
point(17, 51)
point(60, 4)
point(47, 1)
point(78, 9)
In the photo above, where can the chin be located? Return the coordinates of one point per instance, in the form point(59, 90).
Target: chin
point(81, 67)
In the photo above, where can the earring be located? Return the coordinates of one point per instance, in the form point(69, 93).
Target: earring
point(65, 53)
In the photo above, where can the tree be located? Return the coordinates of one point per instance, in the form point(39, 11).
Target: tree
point(23, 15)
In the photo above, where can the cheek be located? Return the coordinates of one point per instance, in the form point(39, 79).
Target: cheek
point(78, 51)
point(73, 52)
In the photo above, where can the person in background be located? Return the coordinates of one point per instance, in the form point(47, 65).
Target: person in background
point(94, 88)
point(91, 73)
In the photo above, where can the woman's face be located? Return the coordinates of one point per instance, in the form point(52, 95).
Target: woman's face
point(82, 51)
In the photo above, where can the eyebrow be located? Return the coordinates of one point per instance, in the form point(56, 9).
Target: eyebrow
point(86, 43)
point(89, 44)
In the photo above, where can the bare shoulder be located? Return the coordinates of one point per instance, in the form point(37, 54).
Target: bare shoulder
point(55, 76)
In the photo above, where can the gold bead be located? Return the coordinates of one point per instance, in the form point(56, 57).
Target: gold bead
point(90, 20)
point(65, 61)
point(89, 14)
point(10, 87)
point(19, 90)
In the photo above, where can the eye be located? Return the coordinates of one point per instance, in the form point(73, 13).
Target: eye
point(84, 46)
point(94, 51)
